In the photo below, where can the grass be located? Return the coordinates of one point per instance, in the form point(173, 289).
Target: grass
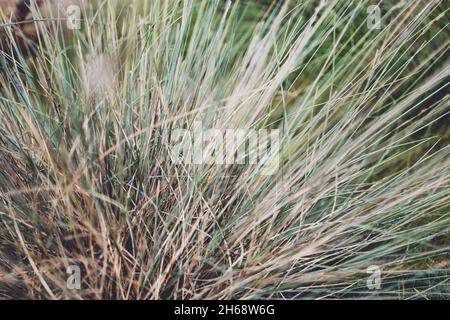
point(364, 177)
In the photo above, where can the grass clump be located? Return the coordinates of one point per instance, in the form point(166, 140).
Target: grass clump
point(87, 177)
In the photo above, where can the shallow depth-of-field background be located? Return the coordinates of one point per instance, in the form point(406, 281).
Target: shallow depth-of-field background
point(363, 182)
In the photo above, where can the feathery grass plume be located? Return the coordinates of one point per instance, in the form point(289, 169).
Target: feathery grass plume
point(362, 186)
point(98, 76)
